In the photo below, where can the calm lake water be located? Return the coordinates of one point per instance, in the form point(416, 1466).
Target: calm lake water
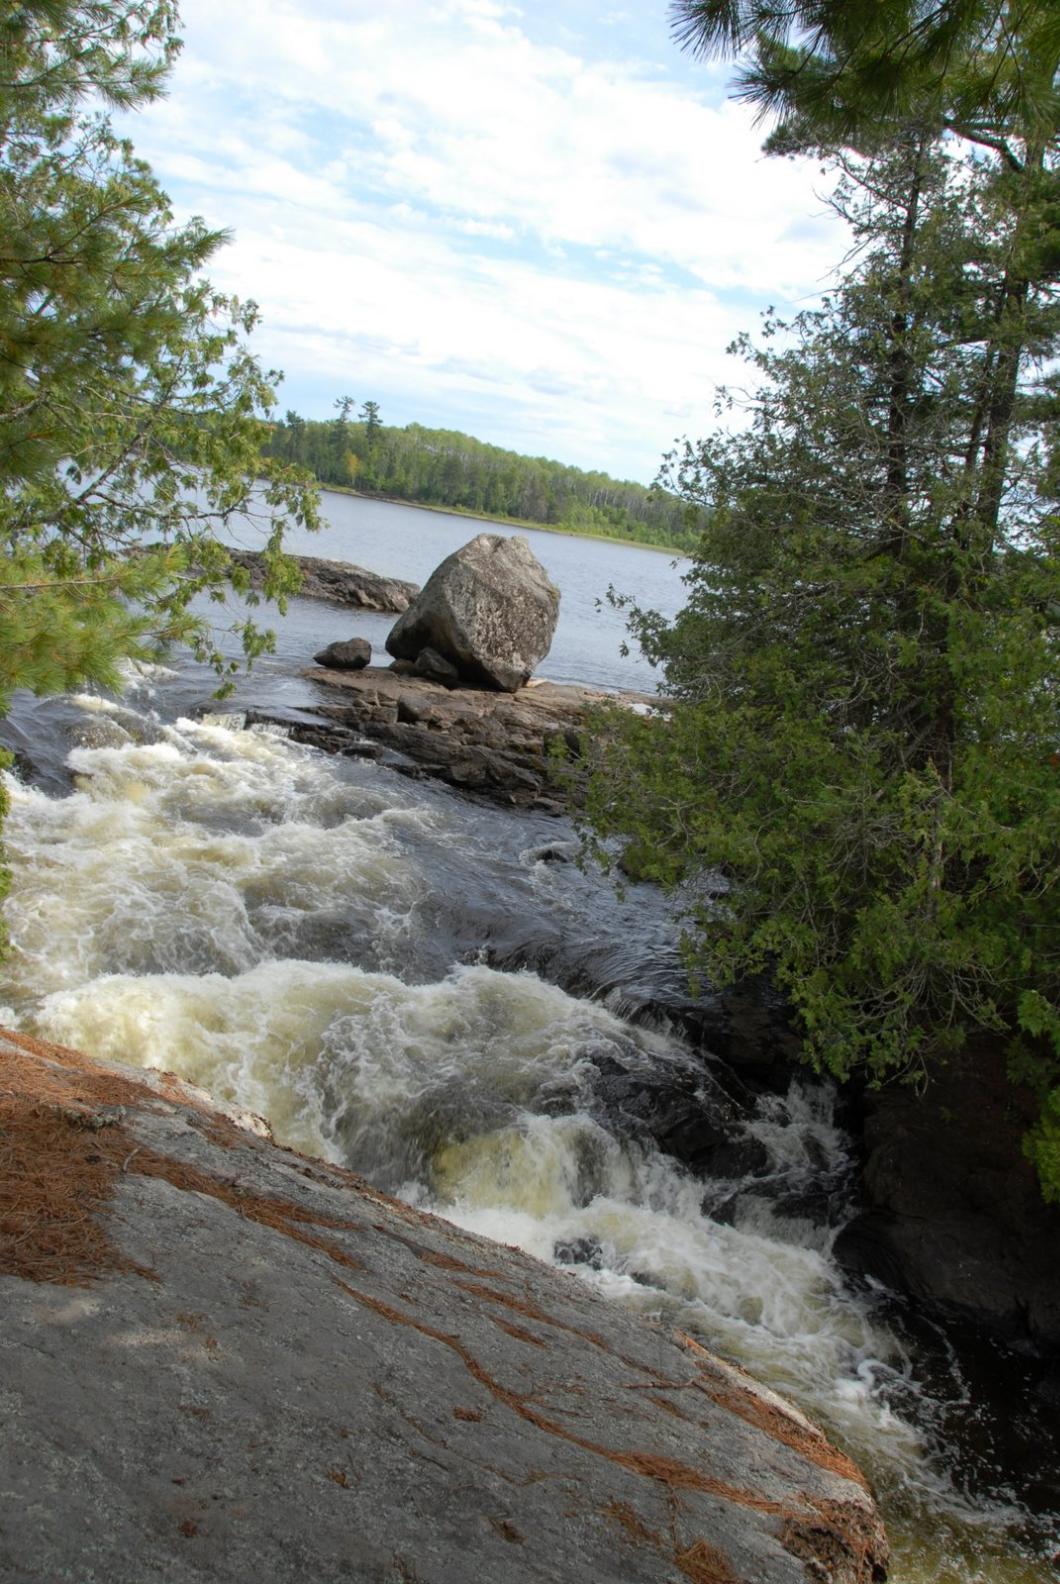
point(408, 542)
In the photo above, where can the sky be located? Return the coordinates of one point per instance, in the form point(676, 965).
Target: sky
point(540, 224)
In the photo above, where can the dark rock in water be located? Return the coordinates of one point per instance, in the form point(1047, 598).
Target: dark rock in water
point(580, 1251)
point(689, 1115)
point(339, 740)
point(238, 1363)
point(429, 663)
point(490, 609)
point(337, 581)
point(749, 1027)
point(955, 1217)
point(555, 852)
point(347, 654)
point(1048, 1388)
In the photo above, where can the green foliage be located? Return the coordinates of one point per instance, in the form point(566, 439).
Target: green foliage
point(130, 409)
point(853, 71)
point(1043, 1146)
point(866, 721)
point(439, 467)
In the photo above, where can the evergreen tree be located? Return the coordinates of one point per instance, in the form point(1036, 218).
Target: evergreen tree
point(847, 70)
point(866, 715)
point(371, 428)
point(130, 409)
point(443, 468)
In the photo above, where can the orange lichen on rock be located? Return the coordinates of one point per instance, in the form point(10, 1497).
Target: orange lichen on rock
point(64, 1146)
point(843, 1537)
point(755, 1409)
point(634, 1526)
point(646, 1465)
point(56, 1176)
point(705, 1564)
point(519, 1333)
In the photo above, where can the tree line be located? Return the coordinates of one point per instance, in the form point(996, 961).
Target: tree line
point(441, 467)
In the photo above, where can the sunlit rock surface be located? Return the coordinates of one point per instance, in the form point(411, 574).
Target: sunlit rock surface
point(490, 609)
point(225, 1361)
point(338, 581)
point(498, 745)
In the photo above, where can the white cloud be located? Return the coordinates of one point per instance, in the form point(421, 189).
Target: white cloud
point(428, 198)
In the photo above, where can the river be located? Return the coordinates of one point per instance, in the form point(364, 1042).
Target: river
point(430, 991)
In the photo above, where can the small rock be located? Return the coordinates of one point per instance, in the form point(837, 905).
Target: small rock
point(430, 663)
point(579, 1251)
point(348, 654)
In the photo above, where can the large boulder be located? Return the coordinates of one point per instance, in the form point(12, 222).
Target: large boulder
point(224, 1361)
point(490, 609)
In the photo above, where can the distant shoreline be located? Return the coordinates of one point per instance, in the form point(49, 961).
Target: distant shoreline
point(504, 522)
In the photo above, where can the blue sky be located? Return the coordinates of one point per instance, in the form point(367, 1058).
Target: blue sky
point(540, 224)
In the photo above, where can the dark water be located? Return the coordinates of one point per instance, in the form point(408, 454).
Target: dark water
point(431, 991)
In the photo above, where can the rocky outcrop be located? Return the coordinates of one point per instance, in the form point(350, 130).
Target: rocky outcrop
point(224, 1361)
point(337, 581)
point(954, 1216)
point(497, 745)
point(346, 654)
point(489, 609)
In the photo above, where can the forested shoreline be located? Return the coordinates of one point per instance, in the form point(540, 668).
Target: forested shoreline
point(444, 468)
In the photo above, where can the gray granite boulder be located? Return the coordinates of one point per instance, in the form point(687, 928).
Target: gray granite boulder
point(490, 609)
point(221, 1361)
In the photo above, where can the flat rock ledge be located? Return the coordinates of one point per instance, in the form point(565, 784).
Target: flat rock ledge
point(224, 1361)
point(338, 581)
point(498, 745)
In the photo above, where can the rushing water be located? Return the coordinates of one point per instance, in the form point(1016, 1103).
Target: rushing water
point(319, 939)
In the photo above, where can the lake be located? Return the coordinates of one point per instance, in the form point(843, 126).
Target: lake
point(409, 542)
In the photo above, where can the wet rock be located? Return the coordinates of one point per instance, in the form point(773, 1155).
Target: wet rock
point(235, 1362)
point(580, 1251)
point(493, 744)
point(489, 609)
point(430, 663)
point(337, 581)
point(1048, 1388)
point(750, 1028)
point(954, 1215)
point(688, 1115)
point(555, 852)
point(347, 654)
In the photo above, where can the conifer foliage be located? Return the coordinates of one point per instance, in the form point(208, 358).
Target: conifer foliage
point(130, 408)
point(865, 740)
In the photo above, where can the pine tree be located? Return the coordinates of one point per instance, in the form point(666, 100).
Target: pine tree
point(866, 718)
point(850, 70)
point(130, 409)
